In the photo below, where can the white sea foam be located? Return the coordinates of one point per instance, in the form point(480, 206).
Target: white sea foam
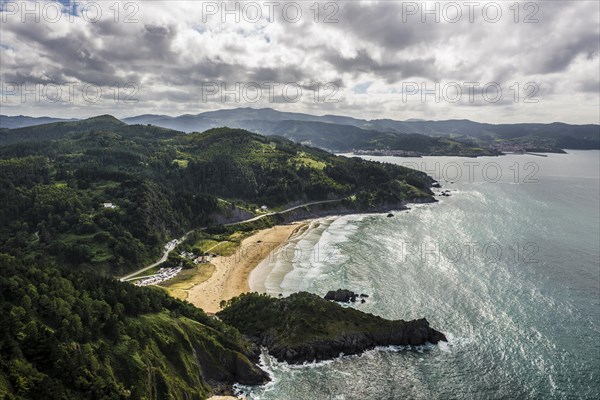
point(319, 250)
point(269, 274)
point(514, 329)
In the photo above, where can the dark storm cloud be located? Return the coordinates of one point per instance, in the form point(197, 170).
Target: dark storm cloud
point(201, 72)
point(72, 53)
point(558, 58)
point(157, 41)
point(101, 58)
point(19, 77)
point(391, 71)
point(383, 25)
point(269, 74)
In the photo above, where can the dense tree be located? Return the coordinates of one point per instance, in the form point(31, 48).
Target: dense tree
point(159, 183)
point(73, 335)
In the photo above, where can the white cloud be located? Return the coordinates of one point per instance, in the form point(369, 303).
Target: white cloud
point(175, 48)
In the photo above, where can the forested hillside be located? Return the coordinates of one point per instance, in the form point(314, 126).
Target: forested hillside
point(106, 196)
point(82, 200)
point(72, 335)
point(340, 133)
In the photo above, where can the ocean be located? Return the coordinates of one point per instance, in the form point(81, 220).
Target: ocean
point(507, 266)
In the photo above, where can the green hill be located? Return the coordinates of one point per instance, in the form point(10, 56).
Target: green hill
point(159, 184)
point(344, 134)
point(83, 200)
point(73, 335)
point(345, 138)
point(304, 327)
point(58, 130)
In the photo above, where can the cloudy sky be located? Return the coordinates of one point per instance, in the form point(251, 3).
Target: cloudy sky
point(489, 61)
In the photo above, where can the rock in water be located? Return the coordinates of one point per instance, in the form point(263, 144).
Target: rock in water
point(341, 295)
point(304, 327)
point(390, 215)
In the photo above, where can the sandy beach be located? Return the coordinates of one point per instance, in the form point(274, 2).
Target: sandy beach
point(231, 274)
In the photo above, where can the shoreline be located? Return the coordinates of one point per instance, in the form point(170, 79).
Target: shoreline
point(259, 281)
point(232, 273)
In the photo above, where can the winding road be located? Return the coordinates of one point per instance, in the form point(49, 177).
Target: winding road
point(169, 249)
point(164, 257)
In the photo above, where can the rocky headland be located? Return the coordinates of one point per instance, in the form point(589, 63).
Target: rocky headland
point(305, 327)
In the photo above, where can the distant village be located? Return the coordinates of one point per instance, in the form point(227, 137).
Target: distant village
point(388, 152)
point(510, 147)
point(164, 274)
point(503, 147)
point(197, 259)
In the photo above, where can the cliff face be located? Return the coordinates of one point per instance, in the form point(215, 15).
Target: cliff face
point(399, 333)
point(345, 207)
point(304, 327)
point(340, 207)
point(192, 360)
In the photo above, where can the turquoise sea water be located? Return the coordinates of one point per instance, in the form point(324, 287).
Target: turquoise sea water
point(507, 266)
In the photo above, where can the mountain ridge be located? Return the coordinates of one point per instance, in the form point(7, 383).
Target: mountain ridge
point(460, 137)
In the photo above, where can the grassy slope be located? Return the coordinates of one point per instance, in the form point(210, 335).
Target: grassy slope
point(154, 176)
point(304, 326)
point(77, 336)
point(299, 318)
point(344, 138)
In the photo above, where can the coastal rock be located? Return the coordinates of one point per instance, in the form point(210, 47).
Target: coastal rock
point(345, 207)
point(341, 295)
point(411, 333)
point(390, 215)
point(436, 185)
point(248, 373)
point(304, 327)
